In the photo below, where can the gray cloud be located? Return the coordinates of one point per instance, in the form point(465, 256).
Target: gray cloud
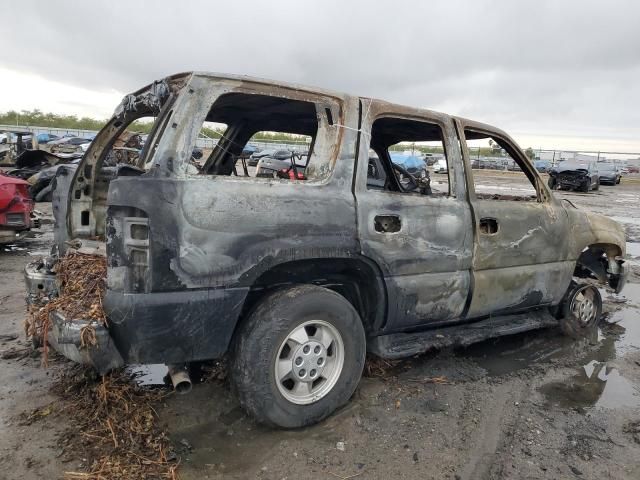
point(536, 67)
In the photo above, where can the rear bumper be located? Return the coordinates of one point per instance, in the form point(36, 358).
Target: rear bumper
point(173, 327)
point(10, 236)
point(163, 327)
point(65, 337)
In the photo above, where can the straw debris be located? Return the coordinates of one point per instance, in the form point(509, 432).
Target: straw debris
point(114, 427)
point(81, 282)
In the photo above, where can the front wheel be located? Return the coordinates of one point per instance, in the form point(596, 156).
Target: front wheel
point(597, 185)
point(586, 186)
point(581, 310)
point(298, 357)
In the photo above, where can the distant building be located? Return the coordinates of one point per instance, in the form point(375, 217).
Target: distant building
point(561, 155)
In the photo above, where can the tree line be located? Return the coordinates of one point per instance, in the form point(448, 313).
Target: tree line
point(37, 118)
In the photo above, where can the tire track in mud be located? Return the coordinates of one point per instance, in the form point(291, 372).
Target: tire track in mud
point(492, 433)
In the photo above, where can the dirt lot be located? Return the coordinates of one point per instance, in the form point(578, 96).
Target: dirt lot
point(535, 405)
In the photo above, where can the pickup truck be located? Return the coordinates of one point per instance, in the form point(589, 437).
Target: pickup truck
point(295, 278)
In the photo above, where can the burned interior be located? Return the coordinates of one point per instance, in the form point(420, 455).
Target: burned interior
point(387, 132)
point(246, 114)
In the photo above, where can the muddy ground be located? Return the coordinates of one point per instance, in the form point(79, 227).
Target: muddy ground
point(531, 406)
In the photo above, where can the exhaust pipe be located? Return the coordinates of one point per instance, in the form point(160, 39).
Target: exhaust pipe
point(180, 378)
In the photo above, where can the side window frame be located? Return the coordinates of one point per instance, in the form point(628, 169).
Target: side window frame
point(542, 195)
point(444, 124)
point(204, 93)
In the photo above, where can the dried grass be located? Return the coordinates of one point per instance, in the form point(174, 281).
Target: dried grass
point(114, 427)
point(81, 280)
point(377, 367)
point(112, 423)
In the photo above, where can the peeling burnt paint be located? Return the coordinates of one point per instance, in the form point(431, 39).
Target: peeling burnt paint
point(215, 241)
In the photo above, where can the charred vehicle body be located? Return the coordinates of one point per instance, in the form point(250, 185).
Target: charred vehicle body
point(573, 175)
point(295, 279)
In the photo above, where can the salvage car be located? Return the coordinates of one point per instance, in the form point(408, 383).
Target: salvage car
point(13, 143)
point(542, 166)
point(413, 164)
point(281, 160)
point(609, 174)
point(294, 279)
point(67, 144)
point(274, 153)
point(16, 209)
point(43, 138)
point(574, 175)
point(440, 166)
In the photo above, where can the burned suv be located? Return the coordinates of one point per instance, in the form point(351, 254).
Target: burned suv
point(295, 278)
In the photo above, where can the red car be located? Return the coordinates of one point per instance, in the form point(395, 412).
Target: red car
point(16, 208)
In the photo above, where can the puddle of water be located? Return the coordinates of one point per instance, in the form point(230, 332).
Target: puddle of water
point(505, 355)
point(631, 220)
point(13, 248)
point(596, 385)
point(628, 318)
point(39, 253)
point(633, 249)
point(148, 375)
point(228, 442)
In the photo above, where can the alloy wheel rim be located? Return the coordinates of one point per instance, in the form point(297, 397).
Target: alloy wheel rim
point(584, 306)
point(309, 362)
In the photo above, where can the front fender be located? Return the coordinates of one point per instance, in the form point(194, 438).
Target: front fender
point(591, 229)
point(599, 246)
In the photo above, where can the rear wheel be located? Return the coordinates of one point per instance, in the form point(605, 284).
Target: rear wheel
point(298, 357)
point(581, 310)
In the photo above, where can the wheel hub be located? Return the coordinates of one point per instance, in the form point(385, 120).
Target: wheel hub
point(584, 307)
point(308, 361)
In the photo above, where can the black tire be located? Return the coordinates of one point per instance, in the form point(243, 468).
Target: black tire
point(586, 186)
point(618, 181)
point(597, 186)
point(570, 323)
point(258, 344)
point(552, 183)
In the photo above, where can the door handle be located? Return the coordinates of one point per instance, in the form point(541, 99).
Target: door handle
point(387, 223)
point(488, 226)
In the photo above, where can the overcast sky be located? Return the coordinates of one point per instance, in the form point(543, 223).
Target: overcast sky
point(554, 74)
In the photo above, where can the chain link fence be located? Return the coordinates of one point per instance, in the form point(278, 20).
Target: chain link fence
point(481, 157)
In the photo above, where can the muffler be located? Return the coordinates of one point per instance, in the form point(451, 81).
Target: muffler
point(180, 378)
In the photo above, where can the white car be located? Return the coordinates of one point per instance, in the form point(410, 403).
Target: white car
point(440, 166)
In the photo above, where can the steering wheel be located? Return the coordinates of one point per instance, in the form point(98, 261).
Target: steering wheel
point(408, 182)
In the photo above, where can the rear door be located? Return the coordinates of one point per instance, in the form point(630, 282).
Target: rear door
point(520, 252)
point(422, 242)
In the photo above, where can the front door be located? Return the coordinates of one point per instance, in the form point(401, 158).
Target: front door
point(421, 238)
point(520, 229)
